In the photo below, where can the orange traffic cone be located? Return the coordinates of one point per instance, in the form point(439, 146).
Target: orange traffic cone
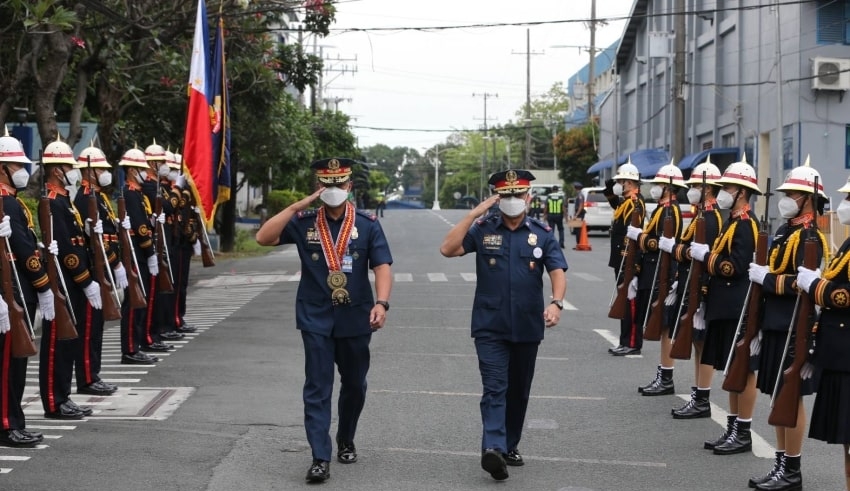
point(583, 243)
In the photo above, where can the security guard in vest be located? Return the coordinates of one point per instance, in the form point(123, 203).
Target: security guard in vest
point(554, 213)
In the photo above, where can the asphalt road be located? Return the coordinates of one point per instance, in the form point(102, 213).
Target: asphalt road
point(224, 411)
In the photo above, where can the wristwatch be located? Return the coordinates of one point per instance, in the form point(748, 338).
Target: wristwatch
point(559, 303)
point(384, 304)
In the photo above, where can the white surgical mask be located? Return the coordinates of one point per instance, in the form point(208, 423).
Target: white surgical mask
point(788, 207)
point(334, 196)
point(617, 189)
point(142, 176)
point(725, 200)
point(693, 196)
point(512, 206)
point(163, 170)
point(172, 175)
point(843, 212)
point(655, 192)
point(20, 178)
point(105, 178)
point(73, 176)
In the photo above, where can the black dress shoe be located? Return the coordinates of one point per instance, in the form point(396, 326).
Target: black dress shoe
point(65, 411)
point(186, 328)
point(107, 385)
point(626, 351)
point(17, 438)
point(33, 434)
point(616, 348)
point(137, 359)
point(346, 454)
point(158, 347)
point(171, 335)
point(97, 389)
point(86, 410)
point(513, 458)
point(661, 387)
point(319, 471)
point(739, 441)
point(493, 462)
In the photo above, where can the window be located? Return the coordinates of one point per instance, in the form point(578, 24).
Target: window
point(788, 147)
point(833, 26)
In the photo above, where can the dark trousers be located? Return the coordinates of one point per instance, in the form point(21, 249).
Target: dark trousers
point(56, 366)
point(13, 374)
point(631, 326)
point(89, 343)
point(181, 284)
point(133, 320)
point(351, 356)
point(507, 370)
point(557, 221)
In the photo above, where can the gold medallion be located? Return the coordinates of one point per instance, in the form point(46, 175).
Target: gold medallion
point(354, 234)
point(532, 239)
point(492, 261)
point(337, 280)
point(314, 256)
point(340, 296)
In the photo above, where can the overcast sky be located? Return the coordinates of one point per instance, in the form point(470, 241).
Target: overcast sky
point(426, 80)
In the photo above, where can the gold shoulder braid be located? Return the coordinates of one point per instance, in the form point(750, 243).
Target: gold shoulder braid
point(653, 222)
point(27, 213)
point(836, 266)
point(110, 212)
point(791, 251)
point(147, 203)
point(726, 239)
point(625, 209)
point(688, 234)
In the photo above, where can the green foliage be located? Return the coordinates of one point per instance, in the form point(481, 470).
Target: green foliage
point(280, 199)
point(576, 152)
point(246, 243)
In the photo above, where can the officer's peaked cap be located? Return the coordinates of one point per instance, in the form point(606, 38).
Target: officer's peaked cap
point(333, 170)
point(511, 181)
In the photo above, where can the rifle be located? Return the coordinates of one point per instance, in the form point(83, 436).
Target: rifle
point(207, 256)
point(656, 319)
point(618, 307)
point(19, 319)
point(737, 365)
point(786, 403)
point(683, 334)
point(163, 280)
point(108, 295)
point(64, 320)
point(135, 288)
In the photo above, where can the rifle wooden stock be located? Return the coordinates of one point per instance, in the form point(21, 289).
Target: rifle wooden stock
point(207, 256)
point(22, 342)
point(656, 318)
point(63, 324)
point(786, 404)
point(681, 348)
point(736, 379)
point(619, 306)
point(111, 310)
point(163, 279)
point(134, 289)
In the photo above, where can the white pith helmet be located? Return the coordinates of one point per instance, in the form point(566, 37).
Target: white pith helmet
point(95, 155)
point(133, 158)
point(802, 179)
point(58, 152)
point(712, 173)
point(12, 151)
point(665, 173)
point(741, 174)
point(627, 171)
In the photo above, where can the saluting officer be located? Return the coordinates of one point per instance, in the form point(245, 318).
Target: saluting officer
point(334, 308)
point(726, 262)
point(509, 313)
point(831, 412)
point(798, 207)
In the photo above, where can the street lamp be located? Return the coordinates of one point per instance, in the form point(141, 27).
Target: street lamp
point(435, 161)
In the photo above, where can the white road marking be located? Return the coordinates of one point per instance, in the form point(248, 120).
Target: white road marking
point(584, 276)
point(437, 277)
point(477, 455)
point(761, 448)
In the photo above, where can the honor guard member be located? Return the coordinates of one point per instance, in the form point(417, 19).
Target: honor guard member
point(828, 353)
point(726, 262)
point(508, 314)
point(698, 406)
point(334, 308)
point(623, 193)
point(165, 312)
point(188, 244)
point(88, 362)
point(798, 208)
point(16, 227)
point(664, 193)
point(553, 213)
point(137, 223)
point(69, 246)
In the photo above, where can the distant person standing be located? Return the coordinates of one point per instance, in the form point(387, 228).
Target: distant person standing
point(382, 205)
point(578, 209)
point(536, 208)
point(554, 213)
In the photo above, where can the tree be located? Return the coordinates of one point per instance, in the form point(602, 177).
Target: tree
point(576, 151)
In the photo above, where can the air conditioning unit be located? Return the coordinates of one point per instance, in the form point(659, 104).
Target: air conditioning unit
point(830, 74)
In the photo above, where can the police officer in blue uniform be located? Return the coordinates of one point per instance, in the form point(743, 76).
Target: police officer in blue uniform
point(335, 310)
point(509, 312)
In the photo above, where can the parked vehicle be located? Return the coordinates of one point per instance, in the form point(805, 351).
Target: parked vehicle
point(598, 212)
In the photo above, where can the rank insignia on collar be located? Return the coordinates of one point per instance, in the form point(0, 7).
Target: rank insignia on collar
point(532, 239)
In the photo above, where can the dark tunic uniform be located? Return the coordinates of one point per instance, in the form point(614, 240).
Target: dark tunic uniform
point(507, 318)
point(629, 335)
point(649, 259)
point(133, 320)
point(335, 333)
point(187, 233)
point(164, 318)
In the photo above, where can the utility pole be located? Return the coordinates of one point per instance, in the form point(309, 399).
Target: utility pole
point(485, 95)
point(677, 146)
point(591, 67)
point(528, 54)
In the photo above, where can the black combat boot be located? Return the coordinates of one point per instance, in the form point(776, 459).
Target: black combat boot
point(739, 440)
point(787, 478)
point(778, 463)
point(693, 394)
point(654, 381)
point(730, 423)
point(662, 386)
point(698, 407)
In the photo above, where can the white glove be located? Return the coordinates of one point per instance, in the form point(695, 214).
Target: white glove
point(807, 371)
point(98, 226)
point(633, 232)
point(180, 182)
point(757, 273)
point(161, 218)
point(126, 223)
point(5, 227)
point(153, 267)
point(45, 305)
point(196, 248)
point(666, 244)
point(93, 294)
point(699, 317)
point(671, 295)
point(632, 289)
point(4, 317)
point(699, 251)
point(121, 277)
point(805, 277)
point(53, 248)
point(196, 210)
point(755, 345)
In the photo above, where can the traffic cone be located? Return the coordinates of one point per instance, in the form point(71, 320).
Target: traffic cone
point(583, 243)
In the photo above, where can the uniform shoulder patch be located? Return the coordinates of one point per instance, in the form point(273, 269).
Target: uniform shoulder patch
point(72, 261)
point(33, 264)
point(306, 213)
point(144, 230)
point(367, 214)
point(540, 223)
point(840, 298)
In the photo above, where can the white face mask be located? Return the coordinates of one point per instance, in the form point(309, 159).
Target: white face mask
point(655, 192)
point(105, 178)
point(20, 178)
point(725, 200)
point(142, 176)
point(73, 176)
point(334, 196)
point(512, 206)
point(163, 170)
point(788, 207)
point(617, 189)
point(843, 212)
point(172, 175)
point(693, 196)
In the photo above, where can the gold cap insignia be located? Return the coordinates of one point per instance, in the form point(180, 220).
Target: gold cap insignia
point(511, 177)
point(333, 164)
